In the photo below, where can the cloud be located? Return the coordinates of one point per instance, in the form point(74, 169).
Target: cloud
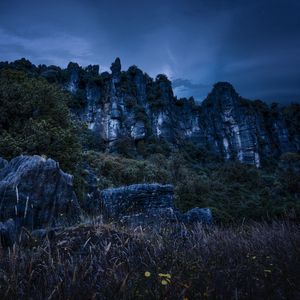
point(59, 49)
point(186, 88)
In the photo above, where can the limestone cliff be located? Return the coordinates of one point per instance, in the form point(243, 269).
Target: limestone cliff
point(129, 104)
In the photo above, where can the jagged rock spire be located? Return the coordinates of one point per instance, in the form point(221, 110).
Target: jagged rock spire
point(116, 67)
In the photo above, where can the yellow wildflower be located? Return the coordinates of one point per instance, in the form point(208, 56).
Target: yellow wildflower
point(164, 282)
point(147, 274)
point(165, 275)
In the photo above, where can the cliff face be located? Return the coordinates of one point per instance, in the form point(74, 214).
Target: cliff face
point(132, 105)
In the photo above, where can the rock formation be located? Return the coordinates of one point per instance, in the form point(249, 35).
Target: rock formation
point(131, 105)
point(150, 204)
point(36, 193)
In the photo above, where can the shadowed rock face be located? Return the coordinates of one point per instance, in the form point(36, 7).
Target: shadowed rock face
point(36, 193)
point(148, 204)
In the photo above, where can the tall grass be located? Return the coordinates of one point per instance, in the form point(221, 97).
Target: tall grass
point(98, 261)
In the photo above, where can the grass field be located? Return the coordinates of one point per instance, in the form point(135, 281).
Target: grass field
point(102, 261)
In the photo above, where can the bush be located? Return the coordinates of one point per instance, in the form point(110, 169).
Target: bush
point(114, 170)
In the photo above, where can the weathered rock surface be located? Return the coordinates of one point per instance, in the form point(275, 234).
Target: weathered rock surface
point(148, 204)
point(90, 203)
point(131, 105)
point(137, 198)
point(36, 193)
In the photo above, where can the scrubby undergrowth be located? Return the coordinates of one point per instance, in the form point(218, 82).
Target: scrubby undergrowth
point(254, 261)
point(234, 191)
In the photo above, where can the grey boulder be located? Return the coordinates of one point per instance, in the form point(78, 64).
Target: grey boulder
point(148, 204)
point(36, 193)
point(135, 199)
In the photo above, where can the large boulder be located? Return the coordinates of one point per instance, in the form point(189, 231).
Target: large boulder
point(36, 193)
point(145, 204)
point(139, 204)
point(136, 198)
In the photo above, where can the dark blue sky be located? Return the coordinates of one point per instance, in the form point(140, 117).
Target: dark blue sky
point(255, 44)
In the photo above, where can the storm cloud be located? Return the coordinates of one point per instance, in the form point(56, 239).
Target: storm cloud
point(255, 45)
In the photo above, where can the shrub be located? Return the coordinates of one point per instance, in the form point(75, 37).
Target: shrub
point(114, 171)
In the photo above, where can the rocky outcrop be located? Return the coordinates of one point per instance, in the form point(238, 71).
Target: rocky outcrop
point(147, 204)
point(36, 193)
point(137, 198)
point(130, 105)
point(232, 129)
point(134, 106)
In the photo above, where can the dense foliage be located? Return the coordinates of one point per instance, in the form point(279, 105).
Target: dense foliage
point(35, 119)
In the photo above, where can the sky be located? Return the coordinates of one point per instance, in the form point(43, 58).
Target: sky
point(255, 45)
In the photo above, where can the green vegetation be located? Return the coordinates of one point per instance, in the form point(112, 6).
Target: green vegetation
point(155, 93)
point(78, 101)
point(234, 191)
point(35, 119)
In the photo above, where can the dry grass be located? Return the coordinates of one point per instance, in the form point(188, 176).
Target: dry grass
point(255, 261)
